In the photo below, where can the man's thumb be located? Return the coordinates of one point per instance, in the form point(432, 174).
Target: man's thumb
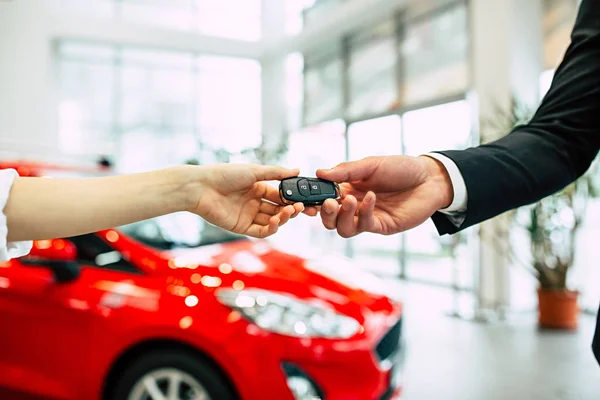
point(345, 172)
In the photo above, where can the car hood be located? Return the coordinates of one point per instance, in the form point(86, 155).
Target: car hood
point(257, 265)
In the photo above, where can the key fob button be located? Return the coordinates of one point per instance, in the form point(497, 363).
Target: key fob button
point(303, 187)
point(327, 188)
point(289, 192)
point(315, 188)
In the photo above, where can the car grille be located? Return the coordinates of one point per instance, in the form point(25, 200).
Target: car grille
point(390, 342)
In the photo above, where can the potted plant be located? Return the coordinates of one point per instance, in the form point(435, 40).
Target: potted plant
point(552, 226)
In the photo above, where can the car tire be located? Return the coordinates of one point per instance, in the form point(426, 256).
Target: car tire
point(158, 363)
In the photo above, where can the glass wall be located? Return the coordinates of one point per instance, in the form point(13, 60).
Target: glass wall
point(318, 146)
point(323, 86)
point(430, 257)
point(420, 254)
point(416, 57)
point(376, 137)
point(372, 71)
point(179, 105)
point(435, 56)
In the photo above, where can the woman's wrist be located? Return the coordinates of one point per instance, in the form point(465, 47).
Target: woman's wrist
point(180, 187)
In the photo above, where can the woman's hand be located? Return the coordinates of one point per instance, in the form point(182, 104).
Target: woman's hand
point(233, 197)
point(236, 198)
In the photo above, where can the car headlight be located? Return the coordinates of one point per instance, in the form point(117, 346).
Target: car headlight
point(288, 315)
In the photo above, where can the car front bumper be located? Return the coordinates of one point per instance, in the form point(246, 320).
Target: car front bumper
point(351, 369)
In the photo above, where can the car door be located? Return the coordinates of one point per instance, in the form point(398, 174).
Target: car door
point(44, 330)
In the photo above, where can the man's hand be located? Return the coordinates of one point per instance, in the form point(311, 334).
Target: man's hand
point(235, 198)
point(385, 195)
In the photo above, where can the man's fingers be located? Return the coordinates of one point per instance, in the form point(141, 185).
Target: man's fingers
point(329, 214)
point(365, 213)
point(272, 172)
point(350, 171)
point(346, 225)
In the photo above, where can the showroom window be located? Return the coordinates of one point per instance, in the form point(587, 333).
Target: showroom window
point(323, 86)
point(235, 19)
point(435, 56)
point(430, 257)
point(376, 137)
point(418, 57)
point(372, 71)
point(419, 254)
point(151, 108)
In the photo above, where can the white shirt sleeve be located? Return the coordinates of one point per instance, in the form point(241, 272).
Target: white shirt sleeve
point(9, 250)
point(459, 204)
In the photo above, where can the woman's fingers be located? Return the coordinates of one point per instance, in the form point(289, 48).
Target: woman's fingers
point(272, 172)
point(298, 209)
point(263, 231)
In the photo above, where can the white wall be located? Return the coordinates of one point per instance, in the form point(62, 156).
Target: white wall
point(26, 106)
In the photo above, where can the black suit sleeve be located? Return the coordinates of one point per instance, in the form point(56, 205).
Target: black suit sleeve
point(553, 150)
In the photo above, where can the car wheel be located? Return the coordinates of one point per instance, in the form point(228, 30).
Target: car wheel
point(171, 375)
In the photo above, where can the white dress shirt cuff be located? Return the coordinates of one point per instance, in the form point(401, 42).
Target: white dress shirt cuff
point(459, 203)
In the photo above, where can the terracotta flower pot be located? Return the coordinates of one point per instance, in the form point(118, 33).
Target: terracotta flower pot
point(558, 309)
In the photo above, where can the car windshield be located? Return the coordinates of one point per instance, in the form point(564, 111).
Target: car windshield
point(179, 230)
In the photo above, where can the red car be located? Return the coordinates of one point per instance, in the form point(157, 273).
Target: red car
point(175, 308)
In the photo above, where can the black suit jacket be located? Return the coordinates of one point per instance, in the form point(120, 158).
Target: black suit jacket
point(553, 150)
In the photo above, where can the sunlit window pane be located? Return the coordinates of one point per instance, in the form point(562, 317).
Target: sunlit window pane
point(178, 106)
point(85, 108)
point(229, 102)
point(372, 70)
point(294, 89)
point(443, 127)
point(435, 53)
point(322, 88)
point(376, 137)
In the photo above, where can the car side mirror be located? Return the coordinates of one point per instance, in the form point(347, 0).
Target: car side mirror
point(58, 255)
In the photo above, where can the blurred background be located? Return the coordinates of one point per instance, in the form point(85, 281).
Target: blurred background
point(311, 83)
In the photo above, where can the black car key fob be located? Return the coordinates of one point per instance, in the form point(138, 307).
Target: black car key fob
point(310, 191)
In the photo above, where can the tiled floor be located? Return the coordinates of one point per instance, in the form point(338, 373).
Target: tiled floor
point(450, 358)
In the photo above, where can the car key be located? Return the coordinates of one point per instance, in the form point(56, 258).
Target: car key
point(309, 191)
